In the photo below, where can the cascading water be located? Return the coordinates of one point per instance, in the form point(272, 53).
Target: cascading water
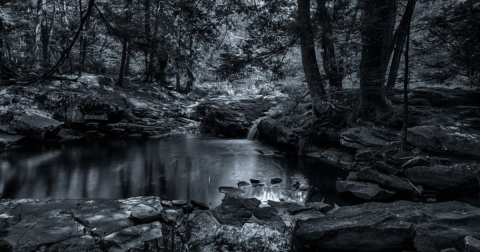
point(252, 131)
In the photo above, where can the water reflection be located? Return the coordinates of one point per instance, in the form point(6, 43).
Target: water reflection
point(172, 169)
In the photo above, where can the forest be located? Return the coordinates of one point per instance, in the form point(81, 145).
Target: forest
point(242, 125)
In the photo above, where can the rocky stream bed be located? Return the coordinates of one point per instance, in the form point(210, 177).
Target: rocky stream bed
point(424, 199)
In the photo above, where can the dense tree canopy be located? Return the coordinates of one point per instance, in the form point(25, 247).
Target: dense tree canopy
point(341, 43)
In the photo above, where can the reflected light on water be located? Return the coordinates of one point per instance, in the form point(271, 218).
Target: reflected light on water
point(191, 168)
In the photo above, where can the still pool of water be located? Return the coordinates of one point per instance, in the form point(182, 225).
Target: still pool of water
point(190, 168)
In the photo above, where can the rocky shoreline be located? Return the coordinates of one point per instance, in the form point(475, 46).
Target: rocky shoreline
point(423, 199)
point(53, 114)
point(443, 161)
point(238, 224)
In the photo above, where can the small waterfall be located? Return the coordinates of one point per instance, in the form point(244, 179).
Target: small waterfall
point(252, 131)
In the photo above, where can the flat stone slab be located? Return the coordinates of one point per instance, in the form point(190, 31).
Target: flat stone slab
point(30, 234)
point(69, 224)
point(131, 237)
point(6, 139)
point(389, 226)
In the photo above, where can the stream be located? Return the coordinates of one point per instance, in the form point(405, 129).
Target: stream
point(188, 168)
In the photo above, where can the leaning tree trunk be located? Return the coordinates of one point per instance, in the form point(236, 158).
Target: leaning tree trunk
point(388, 35)
point(309, 60)
point(400, 36)
point(405, 91)
point(372, 95)
point(333, 72)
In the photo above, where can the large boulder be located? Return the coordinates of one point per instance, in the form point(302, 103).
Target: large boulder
point(389, 227)
point(35, 126)
point(441, 177)
point(231, 117)
point(363, 190)
point(448, 140)
point(273, 131)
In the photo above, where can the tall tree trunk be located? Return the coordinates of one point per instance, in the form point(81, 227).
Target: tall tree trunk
point(38, 30)
point(148, 40)
point(127, 65)
point(46, 36)
point(372, 95)
point(333, 71)
point(190, 75)
point(309, 60)
point(50, 32)
point(405, 91)
point(2, 54)
point(2, 57)
point(178, 58)
point(83, 42)
point(400, 36)
point(123, 62)
point(388, 35)
point(162, 62)
point(177, 75)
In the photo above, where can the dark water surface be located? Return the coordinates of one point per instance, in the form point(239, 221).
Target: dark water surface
point(191, 168)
